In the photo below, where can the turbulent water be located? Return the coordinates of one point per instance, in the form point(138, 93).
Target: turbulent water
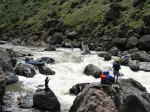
point(69, 69)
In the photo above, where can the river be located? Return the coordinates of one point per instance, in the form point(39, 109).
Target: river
point(69, 69)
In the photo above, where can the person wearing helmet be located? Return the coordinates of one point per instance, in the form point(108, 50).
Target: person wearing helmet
point(116, 68)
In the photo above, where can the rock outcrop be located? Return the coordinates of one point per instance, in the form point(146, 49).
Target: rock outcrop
point(126, 96)
point(46, 100)
point(92, 70)
point(25, 70)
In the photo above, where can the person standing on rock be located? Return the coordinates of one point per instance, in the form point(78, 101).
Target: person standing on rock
point(46, 84)
point(116, 68)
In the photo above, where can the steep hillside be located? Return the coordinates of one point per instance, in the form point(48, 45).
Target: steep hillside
point(93, 20)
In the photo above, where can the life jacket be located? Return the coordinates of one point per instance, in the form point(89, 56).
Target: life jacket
point(103, 76)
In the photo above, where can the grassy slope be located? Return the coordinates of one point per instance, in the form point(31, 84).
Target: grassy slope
point(15, 14)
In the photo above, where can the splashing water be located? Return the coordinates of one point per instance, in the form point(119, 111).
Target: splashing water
point(69, 69)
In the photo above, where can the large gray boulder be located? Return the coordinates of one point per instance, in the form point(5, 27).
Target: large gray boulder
point(46, 100)
point(92, 70)
point(133, 65)
point(105, 55)
point(141, 56)
point(8, 70)
point(119, 42)
point(126, 96)
point(46, 70)
point(145, 42)
point(25, 70)
point(50, 48)
point(132, 42)
point(145, 66)
point(85, 48)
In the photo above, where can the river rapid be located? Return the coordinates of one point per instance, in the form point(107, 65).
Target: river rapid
point(69, 69)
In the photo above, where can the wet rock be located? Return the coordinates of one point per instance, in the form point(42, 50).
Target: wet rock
point(50, 48)
point(46, 100)
point(25, 101)
point(2, 87)
point(46, 70)
point(92, 70)
point(85, 49)
point(47, 60)
point(11, 77)
point(124, 60)
point(145, 66)
point(8, 70)
point(145, 42)
point(127, 95)
point(105, 55)
point(25, 70)
point(141, 56)
point(133, 65)
point(132, 42)
point(76, 89)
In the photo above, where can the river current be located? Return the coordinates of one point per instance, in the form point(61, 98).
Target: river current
point(69, 69)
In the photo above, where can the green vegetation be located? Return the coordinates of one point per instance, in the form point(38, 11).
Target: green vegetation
point(19, 14)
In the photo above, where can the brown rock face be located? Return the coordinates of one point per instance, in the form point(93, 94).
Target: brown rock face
point(126, 96)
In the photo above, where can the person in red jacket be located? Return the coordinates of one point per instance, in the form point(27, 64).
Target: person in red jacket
point(106, 78)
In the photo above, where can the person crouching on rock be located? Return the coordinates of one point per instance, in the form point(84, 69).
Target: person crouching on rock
point(106, 78)
point(116, 68)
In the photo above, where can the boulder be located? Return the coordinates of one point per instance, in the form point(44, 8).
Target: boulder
point(85, 49)
point(145, 66)
point(92, 70)
point(2, 88)
point(114, 51)
point(146, 20)
point(144, 42)
point(76, 89)
point(8, 70)
point(72, 35)
point(57, 38)
point(134, 50)
point(46, 100)
point(133, 65)
point(132, 42)
point(25, 70)
point(11, 77)
point(120, 43)
point(45, 70)
point(47, 60)
point(105, 55)
point(127, 96)
point(138, 2)
point(141, 56)
point(25, 101)
point(50, 48)
point(113, 13)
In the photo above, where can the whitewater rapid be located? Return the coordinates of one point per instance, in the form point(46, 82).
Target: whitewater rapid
point(69, 69)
